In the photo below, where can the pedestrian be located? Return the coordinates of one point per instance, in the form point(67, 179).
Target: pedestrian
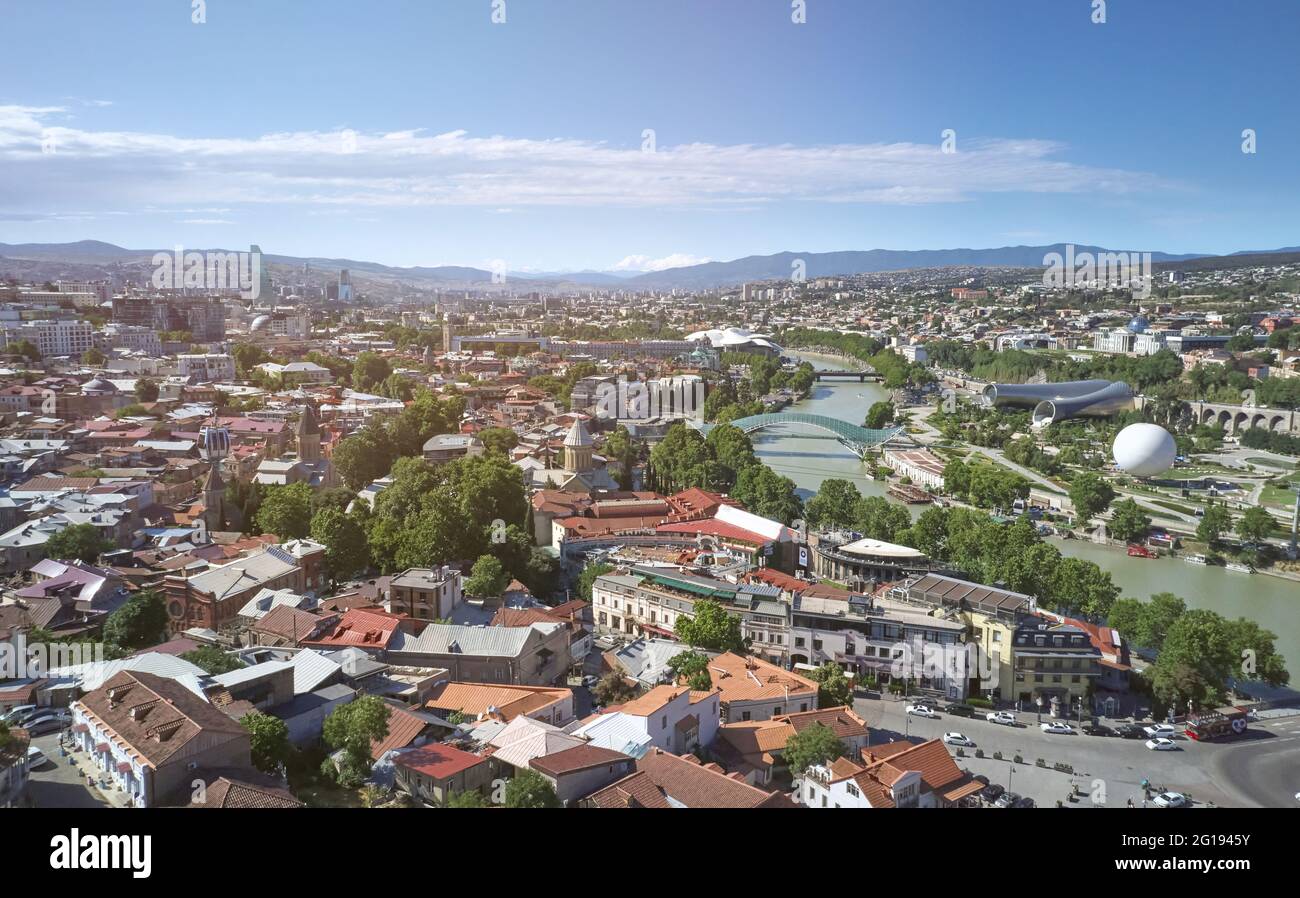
point(1144, 802)
point(1130, 801)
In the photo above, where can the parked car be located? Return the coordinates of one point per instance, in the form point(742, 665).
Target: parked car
point(1170, 800)
point(14, 716)
point(1097, 729)
point(980, 778)
point(1160, 730)
point(1006, 718)
point(959, 710)
point(1058, 728)
point(45, 723)
point(35, 757)
point(1025, 802)
point(958, 739)
point(1006, 800)
point(1131, 731)
point(590, 680)
point(1162, 744)
point(922, 711)
point(991, 793)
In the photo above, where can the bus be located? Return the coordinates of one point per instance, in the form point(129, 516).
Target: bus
point(1217, 724)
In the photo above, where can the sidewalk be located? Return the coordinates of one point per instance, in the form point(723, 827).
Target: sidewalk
point(110, 794)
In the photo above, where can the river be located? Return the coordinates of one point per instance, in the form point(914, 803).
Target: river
point(808, 457)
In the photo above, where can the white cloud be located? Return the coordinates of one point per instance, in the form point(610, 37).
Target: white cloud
point(646, 263)
point(409, 168)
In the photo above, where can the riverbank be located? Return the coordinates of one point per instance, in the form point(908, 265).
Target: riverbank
point(808, 459)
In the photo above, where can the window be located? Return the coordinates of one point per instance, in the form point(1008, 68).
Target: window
point(744, 715)
point(853, 790)
point(663, 722)
point(803, 706)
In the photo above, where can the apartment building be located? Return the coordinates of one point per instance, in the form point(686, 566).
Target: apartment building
point(425, 593)
point(207, 367)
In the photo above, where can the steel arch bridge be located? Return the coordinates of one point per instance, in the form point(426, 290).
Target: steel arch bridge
point(860, 440)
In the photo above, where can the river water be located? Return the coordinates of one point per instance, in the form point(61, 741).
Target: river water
point(808, 457)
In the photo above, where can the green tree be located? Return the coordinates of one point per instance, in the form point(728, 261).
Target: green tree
point(369, 371)
point(488, 577)
point(1256, 650)
point(956, 477)
point(833, 688)
point(212, 659)
point(146, 390)
point(498, 439)
point(346, 550)
point(587, 578)
point(81, 542)
point(529, 789)
point(1081, 587)
point(767, 494)
point(1090, 494)
point(1214, 523)
point(269, 738)
point(1199, 641)
point(468, 799)
point(353, 727)
point(834, 506)
point(139, 623)
point(879, 415)
point(93, 357)
point(693, 667)
point(1255, 525)
point(877, 518)
point(286, 511)
point(612, 689)
point(817, 744)
point(712, 629)
point(364, 457)
point(1128, 522)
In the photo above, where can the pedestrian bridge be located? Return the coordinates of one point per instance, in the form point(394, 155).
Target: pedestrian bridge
point(860, 440)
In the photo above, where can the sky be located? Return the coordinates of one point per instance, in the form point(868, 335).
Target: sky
point(643, 134)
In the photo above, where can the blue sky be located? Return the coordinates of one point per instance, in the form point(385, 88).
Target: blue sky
point(417, 132)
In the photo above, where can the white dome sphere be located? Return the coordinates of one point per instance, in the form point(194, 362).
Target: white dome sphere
point(1144, 450)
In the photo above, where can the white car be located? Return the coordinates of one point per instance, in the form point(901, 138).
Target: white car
point(1160, 743)
point(1006, 718)
point(35, 757)
point(958, 739)
point(1063, 729)
point(1170, 800)
point(923, 711)
point(1160, 730)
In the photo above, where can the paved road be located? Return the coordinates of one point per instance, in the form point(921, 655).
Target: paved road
point(1261, 770)
point(56, 783)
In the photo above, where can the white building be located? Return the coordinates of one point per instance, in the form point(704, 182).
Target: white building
point(210, 367)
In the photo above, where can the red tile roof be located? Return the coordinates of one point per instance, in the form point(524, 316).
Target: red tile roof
point(438, 761)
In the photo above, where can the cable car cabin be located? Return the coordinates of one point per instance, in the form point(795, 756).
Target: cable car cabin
point(1218, 724)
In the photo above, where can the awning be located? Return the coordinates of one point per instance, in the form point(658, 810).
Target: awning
point(101, 746)
point(123, 766)
point(80, 728)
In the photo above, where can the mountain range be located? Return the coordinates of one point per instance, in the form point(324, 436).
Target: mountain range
point(93, 259)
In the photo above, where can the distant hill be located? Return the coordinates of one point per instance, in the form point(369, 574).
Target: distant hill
point(91, 259)
point(779, 265)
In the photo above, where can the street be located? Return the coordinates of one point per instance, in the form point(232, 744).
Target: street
point(1260, 769)
point(56, 783)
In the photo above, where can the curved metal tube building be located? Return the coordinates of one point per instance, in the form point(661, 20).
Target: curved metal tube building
point(1062, 401)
